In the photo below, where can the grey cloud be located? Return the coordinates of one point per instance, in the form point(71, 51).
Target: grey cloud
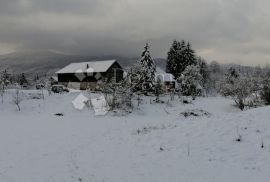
point(218, 29)
point(30, 7)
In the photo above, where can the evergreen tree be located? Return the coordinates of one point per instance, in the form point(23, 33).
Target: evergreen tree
point(22, 79)
point(231, 75)
point(189, 56)
point(174, 57)
point(148, 65)
point(5, 77)
point(180, 56)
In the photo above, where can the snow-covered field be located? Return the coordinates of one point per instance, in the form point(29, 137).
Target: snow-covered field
point(153, 144)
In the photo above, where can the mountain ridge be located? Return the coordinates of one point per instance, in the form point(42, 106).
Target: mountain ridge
point(47, 62)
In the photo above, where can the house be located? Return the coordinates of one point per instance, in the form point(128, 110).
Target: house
point(166, 79)
point(86, 75)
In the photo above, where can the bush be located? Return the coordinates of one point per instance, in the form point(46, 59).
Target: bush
point(191, 81)
point(118, 95)
point(239, 89)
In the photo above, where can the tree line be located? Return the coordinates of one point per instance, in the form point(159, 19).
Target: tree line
point(247, 86)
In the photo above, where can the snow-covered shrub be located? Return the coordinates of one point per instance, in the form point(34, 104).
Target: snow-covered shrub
point(136, 77)
point(240, 89)
point(118, 94)
point(191, 81)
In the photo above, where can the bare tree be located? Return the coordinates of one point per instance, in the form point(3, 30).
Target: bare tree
point(158, 89)
point(2, 91)
point(17, 98)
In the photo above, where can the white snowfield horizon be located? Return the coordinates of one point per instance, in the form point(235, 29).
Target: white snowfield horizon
point(155, 143)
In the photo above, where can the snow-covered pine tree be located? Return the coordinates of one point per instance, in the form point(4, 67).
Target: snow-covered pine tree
point(5, 77)
point(189, 56)
point(173, 59)
point(148, 64)
point(22, 80)
point(180, 56)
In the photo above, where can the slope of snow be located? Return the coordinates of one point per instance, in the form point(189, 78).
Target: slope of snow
point(153, 144)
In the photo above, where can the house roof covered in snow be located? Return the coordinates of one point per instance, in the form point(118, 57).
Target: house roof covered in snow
point(165, 77)
point(87, 67)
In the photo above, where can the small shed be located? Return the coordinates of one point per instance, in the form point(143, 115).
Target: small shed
point(167, 79)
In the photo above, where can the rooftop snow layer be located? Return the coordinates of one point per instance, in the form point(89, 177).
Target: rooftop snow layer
point(85, 67)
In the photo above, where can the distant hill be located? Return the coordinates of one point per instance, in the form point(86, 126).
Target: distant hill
point(46, 62)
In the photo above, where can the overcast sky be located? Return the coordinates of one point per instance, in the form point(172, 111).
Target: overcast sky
point(224, 30)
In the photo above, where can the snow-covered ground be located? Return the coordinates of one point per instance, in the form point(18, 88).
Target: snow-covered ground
point(153, 144)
